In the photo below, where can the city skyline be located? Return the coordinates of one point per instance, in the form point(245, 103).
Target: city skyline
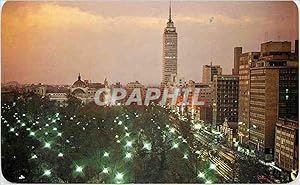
point(59, 40)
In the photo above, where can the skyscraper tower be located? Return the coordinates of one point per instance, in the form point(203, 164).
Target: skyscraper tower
point(169, 52)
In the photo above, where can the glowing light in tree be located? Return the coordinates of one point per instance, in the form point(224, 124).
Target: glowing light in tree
point(79, 169)
point(118, 141)
point(175, 145)
point(127, 134)
point(120, 123)
point(12, 129)
point(185, 156)
point(208, 182)
point(47, 145)
point(105, 170)
point(32, 133)
point(60, 155)
point(201, 175)
point(59, 134)
point(126, 128)
point(106, 154)
point(212, 166)
point(197, 126)
point(147, 146)
point(47, 173)
point(128, 144)
point(119, 176)
point(172, 130)
point(116, 136)
point(128, 155)
point(34, 157)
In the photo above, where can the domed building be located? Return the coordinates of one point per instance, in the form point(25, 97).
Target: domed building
point(79, 87)
point(85, 90)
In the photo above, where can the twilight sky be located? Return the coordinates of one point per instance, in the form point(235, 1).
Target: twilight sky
point(51, 42)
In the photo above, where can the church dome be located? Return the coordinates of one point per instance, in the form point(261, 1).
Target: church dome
point(78, 91)
point(79, 83)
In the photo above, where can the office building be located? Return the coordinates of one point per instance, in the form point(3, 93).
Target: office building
point(169, 52)
point(286, 144)
point(225, 92)
point(209, 71)
point(237, 51)
point(246, 61)
point(273, 94)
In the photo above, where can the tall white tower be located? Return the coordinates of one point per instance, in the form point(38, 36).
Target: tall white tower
point(169, 52)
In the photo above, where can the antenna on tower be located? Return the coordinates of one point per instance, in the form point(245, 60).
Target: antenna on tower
point(170, 12)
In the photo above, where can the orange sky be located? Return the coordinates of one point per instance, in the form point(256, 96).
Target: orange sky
point(51, 42)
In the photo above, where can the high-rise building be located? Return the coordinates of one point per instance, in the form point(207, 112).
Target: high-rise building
point(246, 61)
point(205, 111)
point(169, 52)
point(286, 144)
point(236, 60)
point(209, 71)
point(275, 48)
point(225, 96)
point(273, 94)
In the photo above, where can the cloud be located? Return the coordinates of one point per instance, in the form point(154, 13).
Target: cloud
point(52, 16)
point(48, 39)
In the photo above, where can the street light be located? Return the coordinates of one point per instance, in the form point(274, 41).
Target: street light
point(128, 155)
point(147, 146)
point(105, 170)
point(47, 145)
point(119, 177)
point(106, 154)
point(79, 169)
point(47, 173)
point(201, 175)
point(212, 166)
point(128, 144)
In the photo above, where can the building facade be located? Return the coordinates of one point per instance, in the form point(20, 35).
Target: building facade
point(209, 71)
point(286, 144)
point(225, 95)
point(246, 61)
point(273, 94)
point(205, 111)
point(169, 52)
point(86, 90)
point(237, 51)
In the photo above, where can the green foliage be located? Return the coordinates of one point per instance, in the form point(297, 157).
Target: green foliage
point(92, 144)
